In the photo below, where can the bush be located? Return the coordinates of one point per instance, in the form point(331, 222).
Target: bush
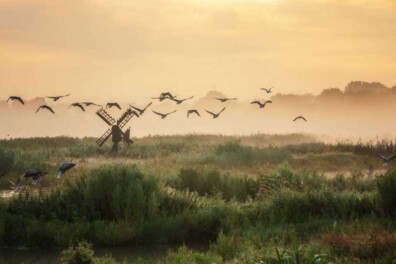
point(7, 159)
point(387, 193)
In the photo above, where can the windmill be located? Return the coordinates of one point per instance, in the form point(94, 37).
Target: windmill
point(115, 130)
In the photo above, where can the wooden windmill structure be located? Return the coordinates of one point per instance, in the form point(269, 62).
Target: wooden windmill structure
point(115, 131)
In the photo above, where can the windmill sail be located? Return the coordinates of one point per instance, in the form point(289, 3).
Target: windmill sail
point(106, 117)
point(104, 137)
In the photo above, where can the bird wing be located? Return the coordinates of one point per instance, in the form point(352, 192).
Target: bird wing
point(64, 96)
point(171, 112)
point(255, 102)
point(50, 109)
point(148, 105)
point(296, 118)
point(140, 110)
point(82, 108)
point(221, 111)
point(20, 100)
point(117, 105)
point(303, 118)
point(219, 99)
point(383, 157)
point(210, 112)
point(392, 158)
point(38, 109)
point(157, 113)
point(268, 102)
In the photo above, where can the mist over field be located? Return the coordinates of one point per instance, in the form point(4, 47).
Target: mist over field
point(360, 110)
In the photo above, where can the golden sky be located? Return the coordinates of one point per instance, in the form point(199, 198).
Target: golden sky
point(115, 50)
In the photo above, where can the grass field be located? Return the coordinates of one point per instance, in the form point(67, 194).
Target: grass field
point(254, 199)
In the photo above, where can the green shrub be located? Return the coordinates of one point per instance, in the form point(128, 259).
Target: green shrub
point(387, 193)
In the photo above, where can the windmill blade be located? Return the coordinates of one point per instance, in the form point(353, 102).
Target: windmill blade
point(104, 137)
point(106, 117)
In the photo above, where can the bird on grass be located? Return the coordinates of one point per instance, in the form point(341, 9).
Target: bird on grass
point(386, 160)
point(141, 111)
point(193, 111)
point(299, 117)
point(56, 98)
point(63, 168)
point(214, 114)
point(262, 105)
point(16, 98)
point(89, 104)
point(223, 100)
point(35, 174)
point(179, 101)
point(267, 90)
point(110, 105)
point(78, 105)
point(46, 107)
point(163, 116)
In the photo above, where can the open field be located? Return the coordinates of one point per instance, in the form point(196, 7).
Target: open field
point(240, 199)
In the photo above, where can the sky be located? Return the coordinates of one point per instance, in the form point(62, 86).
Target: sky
point(121, 50)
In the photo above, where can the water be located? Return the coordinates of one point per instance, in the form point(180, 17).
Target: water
point(38, 256)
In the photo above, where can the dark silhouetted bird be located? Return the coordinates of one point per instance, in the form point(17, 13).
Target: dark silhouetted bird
point(16, 98)
point(168, 94)
point(35, 174)
point(179, 101)
point(386, 160)
point(299, 117)
point(56, 98)
point(89, 104)
point(110, 105)
point(45, 107)
point(192, 111)
point(262, 105)
point(163, 116)
point(77, 105)
point(267, 90)
point(141, 111)
point(223, 100)
point(215, 115)
point(63, 168)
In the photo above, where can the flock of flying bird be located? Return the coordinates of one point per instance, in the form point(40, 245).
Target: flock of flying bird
point(163, 96)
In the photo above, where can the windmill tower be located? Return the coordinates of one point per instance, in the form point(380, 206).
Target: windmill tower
point(115, 131)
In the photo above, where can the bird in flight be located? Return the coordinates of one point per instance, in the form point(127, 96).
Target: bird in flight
point(223, 100)
point(45, 107)
point(215, 115)
point(299, 117)
point(16, 98)
point(56, 98)
point(164, 96)
point(63, 168)
point(387, 160)
point(192, 111)
point(181, 100)
point(35, 174)
point(110, 105)
point(163, 116)
point(89, 104)
point(262, 105)
point(267, 90)
point(77, 105)
point(141, 111)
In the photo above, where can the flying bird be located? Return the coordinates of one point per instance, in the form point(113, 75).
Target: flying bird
point(223, 100)
point(56, 98)
point(45, 107)
point(141, 111)
point(35, 174)
point(262, 105)
point(215, 115)
point(165, 95)
point(63, 168)
point(110, 105)
point(386, 160)
point(77, 105)
point(163, 116)
point(192, 111)
point(269, 90)
point(299, 117)
point(16, 98)
point(89, 104)
point(179, 101)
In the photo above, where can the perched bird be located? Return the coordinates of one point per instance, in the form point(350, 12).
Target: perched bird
point(262, 105)
point(45, 107)
point(223, 100)
point(63, 168)
point(163, 116)
point(267, 90)
point(192, 111)
point(179, 101)
point(35, 174)
point(16, 98)
point(299, 117)
point(110, 105)
point(56, 98)
point(89, 104)
point(386, 160)
point(77, 105)
point(141, 111)
point(215, 115)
